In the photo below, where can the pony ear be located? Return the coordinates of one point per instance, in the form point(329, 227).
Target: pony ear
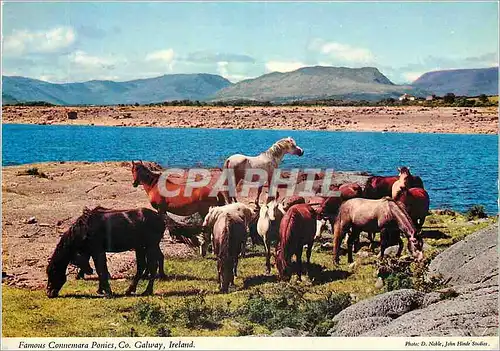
point(399, 169)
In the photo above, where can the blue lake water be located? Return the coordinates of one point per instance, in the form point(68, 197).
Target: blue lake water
point(458, 170)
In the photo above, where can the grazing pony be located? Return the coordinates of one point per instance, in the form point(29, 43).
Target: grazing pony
point(237, 210)
point(228, 236)
point(416, 203)
point(377, 187)
point(373, 216)
point(297, 229)
point(268, 161)
point(198, 202)
point(328, 207)
point(102, 230)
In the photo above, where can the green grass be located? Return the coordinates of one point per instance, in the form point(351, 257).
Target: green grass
point(80, 312)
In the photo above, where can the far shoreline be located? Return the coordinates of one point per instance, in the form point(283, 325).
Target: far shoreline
point(242, 129)
point(382, 119)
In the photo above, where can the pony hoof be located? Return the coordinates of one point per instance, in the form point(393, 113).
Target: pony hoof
point(147, 293)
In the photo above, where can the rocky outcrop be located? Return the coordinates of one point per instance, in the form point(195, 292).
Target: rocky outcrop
point(472, 260)
point(468, 307)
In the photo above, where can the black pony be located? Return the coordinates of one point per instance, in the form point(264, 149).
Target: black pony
point(102, 230)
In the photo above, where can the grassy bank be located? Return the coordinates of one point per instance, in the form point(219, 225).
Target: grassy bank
point(188, 304)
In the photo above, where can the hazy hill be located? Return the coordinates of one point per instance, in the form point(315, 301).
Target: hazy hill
point(100, 92)
point(468, 82)
point(317, 82)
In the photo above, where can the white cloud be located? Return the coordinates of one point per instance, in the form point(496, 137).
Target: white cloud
point(163, 56)
point(342, 52)
point(284, 66)
point(85, 60)
point(167, 55)
point(223, 70)
point(25, 41)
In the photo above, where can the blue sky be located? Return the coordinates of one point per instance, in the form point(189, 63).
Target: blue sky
point(66, 42)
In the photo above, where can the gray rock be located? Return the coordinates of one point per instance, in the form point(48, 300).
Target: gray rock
point(472, 260)
point(290, 332)
point(474, 313)
point(391, 250)
point(359, 326)
point(431, 298)
point(391, 304)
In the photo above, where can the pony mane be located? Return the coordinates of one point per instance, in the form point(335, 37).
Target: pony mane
point(74, 234)
point(398, 212)
point(276, 150)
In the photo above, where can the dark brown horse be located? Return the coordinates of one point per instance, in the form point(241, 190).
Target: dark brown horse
point(297, 229)
point(377, 187)
point(416, 203)
point(373, 216)
point(102, 230)
point(199, 201)
point(229, 233)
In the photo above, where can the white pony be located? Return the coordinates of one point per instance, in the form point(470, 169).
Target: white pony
point(267, 161)
point(268, 224)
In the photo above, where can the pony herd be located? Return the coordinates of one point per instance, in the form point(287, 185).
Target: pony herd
point(389, 205)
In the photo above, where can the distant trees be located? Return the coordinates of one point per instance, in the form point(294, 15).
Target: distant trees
point(483, 98)
point(449, 98)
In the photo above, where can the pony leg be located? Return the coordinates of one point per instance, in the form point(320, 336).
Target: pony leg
point(259, 191)
point(338, 232)
point(299, 264)
point(102, 271)
point(383, 242)
point(152, 263)
point(267, 244)
point(400, 246)
point(161, 264)
point(308, 256)
point(141, 264)
point(351, 240)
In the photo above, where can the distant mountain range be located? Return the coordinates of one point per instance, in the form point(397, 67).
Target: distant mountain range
point(465, 82)
point(103, 92)
point(303, 84)
point(317, 83)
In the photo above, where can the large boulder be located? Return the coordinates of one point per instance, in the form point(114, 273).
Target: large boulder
point(468, 307)
point(290, 332)
point(472, 260)
point(473, 313)
point(391, 304)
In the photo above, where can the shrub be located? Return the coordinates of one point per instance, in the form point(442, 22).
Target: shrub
point(289, 308)
point(475, 212)
point(33, 171)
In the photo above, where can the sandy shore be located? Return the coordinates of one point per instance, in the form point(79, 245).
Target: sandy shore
point(414, 119)
point(35, 211)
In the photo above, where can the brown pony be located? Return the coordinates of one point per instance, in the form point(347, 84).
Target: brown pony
point(416, 203)
point(373, 216)
point(229, 233)
point(199, 201)
point(377, 187)
point(297, 229)
point(102, 230)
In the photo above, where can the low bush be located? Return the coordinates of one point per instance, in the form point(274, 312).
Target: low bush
point(475, 212)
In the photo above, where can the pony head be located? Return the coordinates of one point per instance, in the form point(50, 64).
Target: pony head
point(404, 175)
point(293, 148)
point(56, 277)
point(136, 169)
point(416, 247)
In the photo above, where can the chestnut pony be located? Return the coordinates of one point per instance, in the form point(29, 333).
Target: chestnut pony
point(198, 202)
point(297, 228)
point(377, 187)
point(416, 203)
